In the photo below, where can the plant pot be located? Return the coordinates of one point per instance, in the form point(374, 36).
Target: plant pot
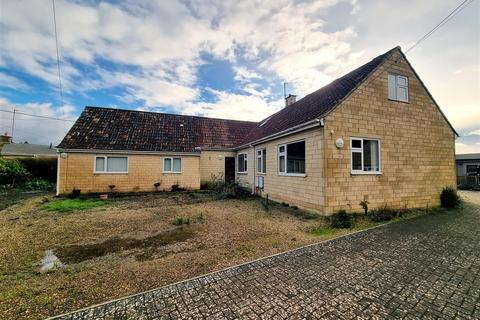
point(104, 196)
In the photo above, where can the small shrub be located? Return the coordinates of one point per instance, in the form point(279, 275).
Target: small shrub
point(38, 184)
point(11, 172)
point(384, 214)
point(364, 205)
point(294, 207)
point(449, 198)
point(341, 219)
point(179, 220)
point(285, 204)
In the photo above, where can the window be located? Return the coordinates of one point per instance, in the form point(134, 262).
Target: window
point(397, 88)
point(242, 163)
point(262, 161)
point(105, 164)
point(172, 165)
point(365, 155)
point(291, 158)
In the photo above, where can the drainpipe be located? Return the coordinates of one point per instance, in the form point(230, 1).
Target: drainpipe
point(253, 174)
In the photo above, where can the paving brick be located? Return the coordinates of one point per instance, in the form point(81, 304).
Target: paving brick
point(427, 267)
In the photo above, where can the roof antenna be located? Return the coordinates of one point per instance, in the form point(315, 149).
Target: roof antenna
point(284, 89)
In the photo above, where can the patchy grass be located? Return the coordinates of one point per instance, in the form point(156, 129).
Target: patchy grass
point(323, 231)
point(67, 205)
point(115, 250)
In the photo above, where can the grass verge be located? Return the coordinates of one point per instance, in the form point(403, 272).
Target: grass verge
point(67, 205)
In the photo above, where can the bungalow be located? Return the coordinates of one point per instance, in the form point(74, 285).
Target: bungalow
point(374, 134)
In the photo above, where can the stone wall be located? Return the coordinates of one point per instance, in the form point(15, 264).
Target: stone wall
point(417, 146)
point(77, 171)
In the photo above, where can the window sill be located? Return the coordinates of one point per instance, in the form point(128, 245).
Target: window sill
point(261, 174)
point(171, 172)
point(242, 173)
point(301, 175)
point(407, 102)
point(110, 173)
point(371, 173)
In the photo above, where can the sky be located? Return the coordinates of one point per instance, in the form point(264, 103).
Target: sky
point(221, 58)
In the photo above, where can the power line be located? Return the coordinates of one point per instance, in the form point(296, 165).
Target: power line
point(459, 8)
point(58, 62)
point(37, 116)
point(445, 20)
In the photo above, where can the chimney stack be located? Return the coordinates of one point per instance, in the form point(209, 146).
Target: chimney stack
point(290, 99)
point(4, 139)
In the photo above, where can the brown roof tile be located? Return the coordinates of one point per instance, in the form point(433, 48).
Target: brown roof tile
point(117, 129)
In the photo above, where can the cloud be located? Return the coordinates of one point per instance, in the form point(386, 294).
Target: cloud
point(163, 42)
point(8, 81)
point(32, 129)
point(236, 106)
point(149, 52)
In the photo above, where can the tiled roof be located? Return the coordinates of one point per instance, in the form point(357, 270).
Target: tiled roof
point(116, 129)
point(28, 150)
point(316, 104)
point(468, 156)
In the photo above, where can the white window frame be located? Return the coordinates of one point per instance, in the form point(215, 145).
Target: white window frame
point(171, 161)
point(285, 154)
point(105, 165)
point(245, 162)
point(360, 150)
point(261, 154)
point(396, 86)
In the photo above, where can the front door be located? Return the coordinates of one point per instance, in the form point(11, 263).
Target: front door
point(229, 169)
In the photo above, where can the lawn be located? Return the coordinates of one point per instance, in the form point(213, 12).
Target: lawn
point(125, 245)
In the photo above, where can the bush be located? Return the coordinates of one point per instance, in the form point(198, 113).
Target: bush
point(383, 214)
point(38, 184)
point(44, 168)
point(11, 172)
point(179, 220)
point(341, 219)
point(449, 198)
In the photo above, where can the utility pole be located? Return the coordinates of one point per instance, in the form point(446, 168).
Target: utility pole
point(13, 122)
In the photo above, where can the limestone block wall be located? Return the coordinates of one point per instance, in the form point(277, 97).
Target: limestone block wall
point(303, 191)
point(77, 171)
point(417, 146)
point(212, 163)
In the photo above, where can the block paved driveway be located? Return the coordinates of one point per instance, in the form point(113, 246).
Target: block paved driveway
point(428, 267)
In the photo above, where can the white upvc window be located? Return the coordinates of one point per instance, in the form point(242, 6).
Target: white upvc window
point(111, 164)
point(291, 159)
point(172, 165)
point(262, 161)
point(242, 163)
point(397, 87)
point(365, 156)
